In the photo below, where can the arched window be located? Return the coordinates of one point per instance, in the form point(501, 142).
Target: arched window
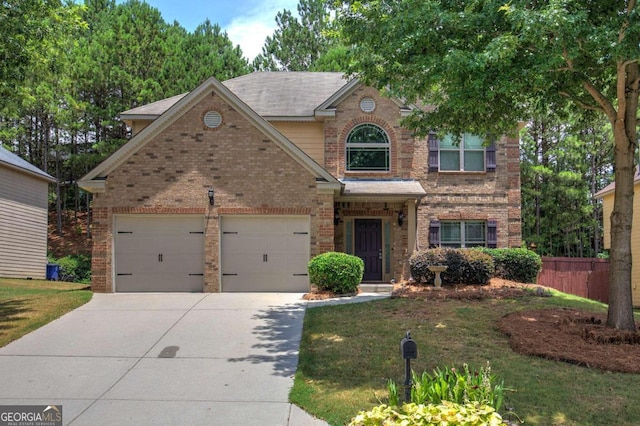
point(367, 149)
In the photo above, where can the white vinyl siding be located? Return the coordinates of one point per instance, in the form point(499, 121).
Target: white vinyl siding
point(23, 225)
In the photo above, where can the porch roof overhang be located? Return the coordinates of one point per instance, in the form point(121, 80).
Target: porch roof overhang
point(382, 189)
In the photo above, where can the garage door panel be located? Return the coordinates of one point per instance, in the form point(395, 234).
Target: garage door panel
point(255, 282)
point(154, 282)
point(159, 253)
point(266, 253)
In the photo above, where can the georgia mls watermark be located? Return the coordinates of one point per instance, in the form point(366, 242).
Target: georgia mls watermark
point(30, 415)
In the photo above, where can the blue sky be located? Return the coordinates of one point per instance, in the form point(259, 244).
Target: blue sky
point(247, 22)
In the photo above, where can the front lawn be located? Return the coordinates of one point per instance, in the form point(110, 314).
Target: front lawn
point(26, 305)
point(348, 353)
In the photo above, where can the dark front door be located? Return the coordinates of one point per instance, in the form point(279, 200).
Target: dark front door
point(368, 247)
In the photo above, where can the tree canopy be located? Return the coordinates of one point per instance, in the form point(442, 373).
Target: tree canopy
point(303, 43)
point(486, 64)
point(69, 70)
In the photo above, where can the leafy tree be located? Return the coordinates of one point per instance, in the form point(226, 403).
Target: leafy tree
point(301, 44)
point(564, 162)
point(192, 58)
point(489, 63)
point(33, 32)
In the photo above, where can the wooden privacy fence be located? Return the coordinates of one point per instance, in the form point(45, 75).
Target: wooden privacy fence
point(584, 277)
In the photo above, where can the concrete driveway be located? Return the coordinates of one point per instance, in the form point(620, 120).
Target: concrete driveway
point(163, 359)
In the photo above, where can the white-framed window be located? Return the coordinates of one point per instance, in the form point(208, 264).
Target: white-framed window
point(465, 154)
point(367, 149)
point(468, 153)
point(463, 233)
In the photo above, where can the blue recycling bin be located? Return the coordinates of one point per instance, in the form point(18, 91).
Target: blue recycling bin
point(53, 272)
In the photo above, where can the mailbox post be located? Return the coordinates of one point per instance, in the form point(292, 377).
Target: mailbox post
point(409, 351)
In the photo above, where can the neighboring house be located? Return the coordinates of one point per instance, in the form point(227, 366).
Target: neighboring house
point(24, 191)
point(607, 195)
point(236, 185)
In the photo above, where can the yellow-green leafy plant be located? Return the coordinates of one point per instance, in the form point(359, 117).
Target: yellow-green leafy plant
point(461, 386)
point(445, 413)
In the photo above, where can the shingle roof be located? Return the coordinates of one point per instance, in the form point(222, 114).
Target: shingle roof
point(13, 161)
point(270, 94)
point(286, 94)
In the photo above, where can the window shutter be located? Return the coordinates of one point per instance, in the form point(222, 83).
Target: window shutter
point(434, 233)
point(434, 148)
point(490, 154)
point(492, 233)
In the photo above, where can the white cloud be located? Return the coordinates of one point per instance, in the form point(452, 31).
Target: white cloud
point(251, 28)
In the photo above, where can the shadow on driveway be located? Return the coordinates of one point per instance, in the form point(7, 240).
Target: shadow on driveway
point(278, 333)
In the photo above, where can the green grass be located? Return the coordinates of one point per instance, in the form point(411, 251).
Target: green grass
point(26, 305)
point(348, 353)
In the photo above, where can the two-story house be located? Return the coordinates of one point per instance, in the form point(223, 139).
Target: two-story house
point(236, 185)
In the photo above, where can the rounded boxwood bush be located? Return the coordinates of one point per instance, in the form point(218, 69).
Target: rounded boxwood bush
point(516, 264)
point(340, 273)
point(464, 266)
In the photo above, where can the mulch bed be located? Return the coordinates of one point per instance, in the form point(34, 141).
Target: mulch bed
point(573, 336)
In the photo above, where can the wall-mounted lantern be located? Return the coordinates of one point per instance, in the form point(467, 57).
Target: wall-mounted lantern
point(336, 217)
point(400, 218)
point(211, 195)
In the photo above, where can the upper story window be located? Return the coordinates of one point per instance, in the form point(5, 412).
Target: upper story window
point(466, 154)
point(367, 149)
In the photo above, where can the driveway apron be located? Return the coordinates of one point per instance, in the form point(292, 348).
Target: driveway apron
point(163, 359)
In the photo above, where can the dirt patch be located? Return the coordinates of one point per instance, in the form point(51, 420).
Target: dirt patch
point(316, 294)
point(559, 334)
point(73, 239)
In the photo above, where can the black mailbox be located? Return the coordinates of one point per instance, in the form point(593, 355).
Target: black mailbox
point(408, 347)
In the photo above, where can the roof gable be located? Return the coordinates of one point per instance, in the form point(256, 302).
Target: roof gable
point(12, 161)
point(94, 181)
point(273, 95)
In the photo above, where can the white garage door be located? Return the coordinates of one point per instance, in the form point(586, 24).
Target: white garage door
point(159, 253)
point(267, 253)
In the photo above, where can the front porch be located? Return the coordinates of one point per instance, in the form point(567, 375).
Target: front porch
point(376, 221)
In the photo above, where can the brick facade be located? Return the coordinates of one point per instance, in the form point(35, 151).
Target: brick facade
point(450, 195)
point(473, 195)
point(172, 173)
point(252, 175)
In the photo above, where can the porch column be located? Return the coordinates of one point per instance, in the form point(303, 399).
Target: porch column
point(412, 226)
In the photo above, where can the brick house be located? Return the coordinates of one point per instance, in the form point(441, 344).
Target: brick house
point(236, 185)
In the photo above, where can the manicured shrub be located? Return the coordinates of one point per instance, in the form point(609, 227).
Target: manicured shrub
point(340, 273)
point(74, 268)
point(477, 268)
point(516, 264)
point(464, 266)
point(445, 413)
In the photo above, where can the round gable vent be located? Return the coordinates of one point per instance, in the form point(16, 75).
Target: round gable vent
point(367, 105)
point(212, 119)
